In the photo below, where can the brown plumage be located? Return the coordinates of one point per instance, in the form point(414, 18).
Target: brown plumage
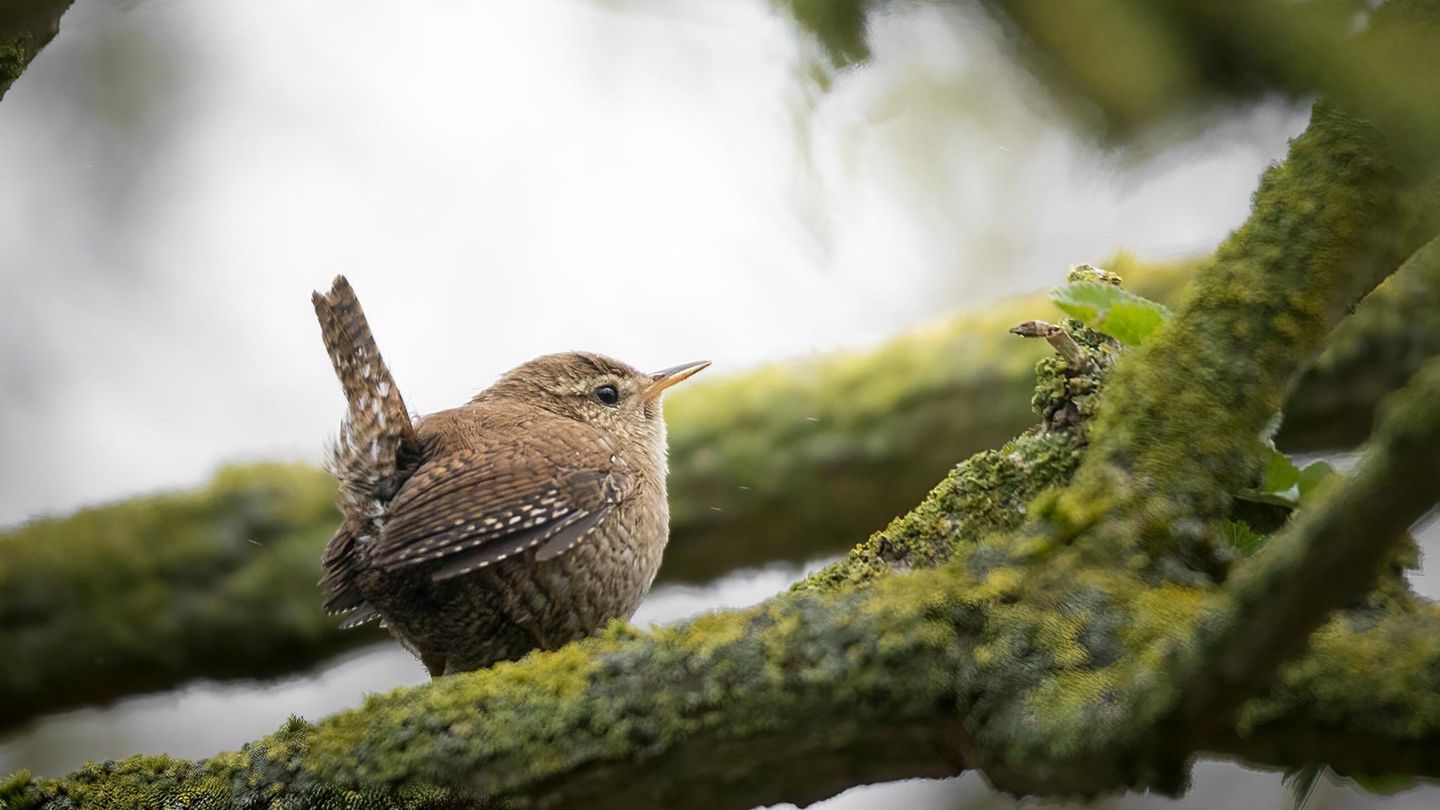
point(524, 519)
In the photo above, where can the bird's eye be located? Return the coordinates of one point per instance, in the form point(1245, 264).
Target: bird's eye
point(608, 395)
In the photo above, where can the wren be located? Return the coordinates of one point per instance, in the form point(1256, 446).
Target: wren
point(525, 519)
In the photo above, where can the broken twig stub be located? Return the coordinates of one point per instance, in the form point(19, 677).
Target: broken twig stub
point(1058, 338)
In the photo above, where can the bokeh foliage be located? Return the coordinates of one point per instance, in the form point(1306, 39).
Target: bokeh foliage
point(1122, 67)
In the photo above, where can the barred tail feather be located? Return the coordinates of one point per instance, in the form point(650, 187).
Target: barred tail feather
point(376, 447)
point(377, 425)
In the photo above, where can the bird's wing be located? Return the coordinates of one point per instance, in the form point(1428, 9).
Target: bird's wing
point(477, 507)
point(339, 565)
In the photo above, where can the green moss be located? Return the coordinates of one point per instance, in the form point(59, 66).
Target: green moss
point(17, 792)
point(1031, 666)
point(1178, 433)
point(989, 493)
point(1392, 333)
point(1395, 656)
point(14, 56)
point(986, 494)
point(1341, 546)
point(139, 594)
point(738, 675)
point(266, 774)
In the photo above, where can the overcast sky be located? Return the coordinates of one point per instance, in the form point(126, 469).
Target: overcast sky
point(654, 179)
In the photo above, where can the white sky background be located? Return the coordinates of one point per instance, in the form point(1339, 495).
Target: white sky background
point(651, 179)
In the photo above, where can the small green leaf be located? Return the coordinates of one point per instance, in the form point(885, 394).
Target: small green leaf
point(1111, 310)
point(1281, 483)
point(1314, 474)
point(1281, 474)
point(1241, 537)
point(1285, 484)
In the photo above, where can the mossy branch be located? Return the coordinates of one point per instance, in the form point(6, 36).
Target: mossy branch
point(26, 26)
point(1337, 549)
point(1178, 432)
point(790, 701)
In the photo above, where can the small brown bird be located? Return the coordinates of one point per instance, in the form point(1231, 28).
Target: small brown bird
point(524, 519)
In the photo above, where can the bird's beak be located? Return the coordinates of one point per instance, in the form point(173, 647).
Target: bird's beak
point(667, 377)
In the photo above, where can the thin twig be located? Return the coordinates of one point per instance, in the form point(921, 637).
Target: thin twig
point(1059, 339)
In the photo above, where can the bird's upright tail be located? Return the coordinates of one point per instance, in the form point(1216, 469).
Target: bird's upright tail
point(376, 449)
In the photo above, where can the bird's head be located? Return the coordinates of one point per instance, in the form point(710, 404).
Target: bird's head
point(597, 390)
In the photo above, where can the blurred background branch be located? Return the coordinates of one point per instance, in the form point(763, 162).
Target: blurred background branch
point(1124, 66)
point(26, 26)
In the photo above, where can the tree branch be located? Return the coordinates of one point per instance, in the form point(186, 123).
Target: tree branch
point(1189, 54)
point(1178, 431)
point(26, 26)
point(1336, 549)
point(1374, 351)
point(789, 701)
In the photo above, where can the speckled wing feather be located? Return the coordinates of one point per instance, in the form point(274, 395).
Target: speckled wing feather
point(475, 508)
point(376, 448)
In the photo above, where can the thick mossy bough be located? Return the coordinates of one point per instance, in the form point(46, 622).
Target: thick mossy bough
point(1058, 613)
point(1121, 66)
point(144, 594)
